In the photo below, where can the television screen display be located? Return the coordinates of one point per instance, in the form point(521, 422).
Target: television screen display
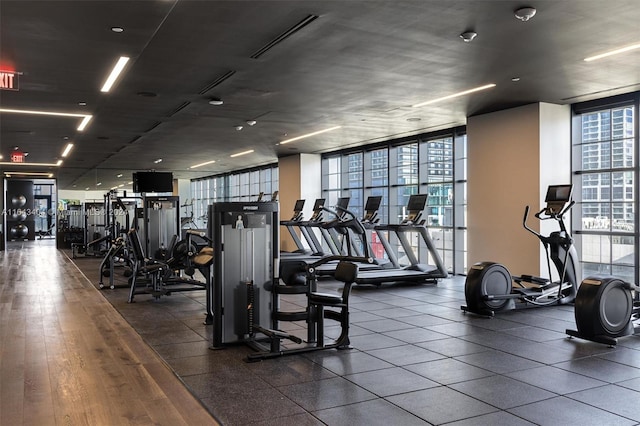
point(152, 182)
point(417, 202)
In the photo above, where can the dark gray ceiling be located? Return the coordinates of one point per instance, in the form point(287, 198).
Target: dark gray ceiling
point(359, 65)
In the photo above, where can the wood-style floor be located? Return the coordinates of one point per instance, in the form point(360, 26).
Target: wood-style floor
point(67, 357)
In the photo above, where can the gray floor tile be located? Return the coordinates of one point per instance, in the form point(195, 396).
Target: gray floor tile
point(294, 420)
point(501, 391)
point(370, 341)
point(448, 371)
point(386, 324)
point(415, 335)
point(441, 405)
point(452, 347)
point(601, 369)
point(500, 418)
point(556, 380)
point(368, 413)
point(390, 381)
point(405, 355)
point(321, 394)
point(566, 412)
point(289, 370)
point(622, 355)
point(612, 398)
point(498, 362)
point(351, 363)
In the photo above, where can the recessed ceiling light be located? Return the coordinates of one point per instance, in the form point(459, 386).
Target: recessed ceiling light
point(468, 36)
point(309, 135)
point(612, 52)
point(525, 13)
point(145, 94)
point(241, 153)
point(202, 164)
point(251, 122)
point(455, 95)
point(159, 160)
point(82, 103)
point(117, 29)
point(119, 175)
point(515, 79)
point(115, 72)
point(216, 101)
point(238, 128)
point(99, 183)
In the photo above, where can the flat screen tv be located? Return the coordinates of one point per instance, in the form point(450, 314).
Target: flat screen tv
point(152, 182)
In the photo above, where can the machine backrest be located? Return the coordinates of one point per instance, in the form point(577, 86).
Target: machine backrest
point(136, 244)
point(347, 272)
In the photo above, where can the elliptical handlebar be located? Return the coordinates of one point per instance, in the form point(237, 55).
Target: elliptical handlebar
point(539, 215)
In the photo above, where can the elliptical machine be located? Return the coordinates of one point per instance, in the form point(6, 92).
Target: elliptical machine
point(606, 308)
point(490, 287)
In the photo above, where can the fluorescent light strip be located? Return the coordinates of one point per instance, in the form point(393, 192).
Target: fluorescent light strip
point(67, 150)
point(8, 163)
point(612, 52)
point(115, 72)
point(202, 164)
point(309, 135)
point(455, 95)
point(83, 124)
point(29, 173)
point(241, 153)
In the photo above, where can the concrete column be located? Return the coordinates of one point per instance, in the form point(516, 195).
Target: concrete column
point(513, 155)
point(300, 177)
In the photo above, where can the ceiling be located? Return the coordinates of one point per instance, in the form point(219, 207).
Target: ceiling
point(360, 65)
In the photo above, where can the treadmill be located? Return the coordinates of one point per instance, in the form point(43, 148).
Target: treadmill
point(414, 272)
point(295, 221)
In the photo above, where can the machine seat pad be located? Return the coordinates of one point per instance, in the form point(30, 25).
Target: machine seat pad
point(325, 299)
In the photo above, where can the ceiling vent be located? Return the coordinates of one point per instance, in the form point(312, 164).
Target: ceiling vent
point(179, 108)
point(216, 82)
point(288, 33)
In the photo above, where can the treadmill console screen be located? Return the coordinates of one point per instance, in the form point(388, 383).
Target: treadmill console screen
point(373, 203)
point(417, 203)
point(299, 206)
point(318, 204)
point(343, 202)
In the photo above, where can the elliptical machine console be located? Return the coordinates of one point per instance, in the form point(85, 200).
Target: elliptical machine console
point(490, 287)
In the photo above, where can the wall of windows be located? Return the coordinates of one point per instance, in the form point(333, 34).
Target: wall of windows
point(605, 167)
point(395, 171)
point(244, 185)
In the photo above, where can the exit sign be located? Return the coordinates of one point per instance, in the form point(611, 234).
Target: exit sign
point(17, 157)
point(9, 80)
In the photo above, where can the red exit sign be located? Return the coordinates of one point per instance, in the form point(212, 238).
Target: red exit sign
point(17, 157)
point(9, 80)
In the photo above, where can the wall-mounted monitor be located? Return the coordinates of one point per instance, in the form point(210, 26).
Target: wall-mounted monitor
point(152, 182)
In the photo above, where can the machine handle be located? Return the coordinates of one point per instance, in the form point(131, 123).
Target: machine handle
point(524, 221)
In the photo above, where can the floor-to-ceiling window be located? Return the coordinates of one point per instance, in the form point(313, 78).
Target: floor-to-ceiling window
point(246, 185)
point(605, 167)
point(426, 164)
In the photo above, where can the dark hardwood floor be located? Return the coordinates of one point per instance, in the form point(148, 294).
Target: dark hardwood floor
point(67, 357)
